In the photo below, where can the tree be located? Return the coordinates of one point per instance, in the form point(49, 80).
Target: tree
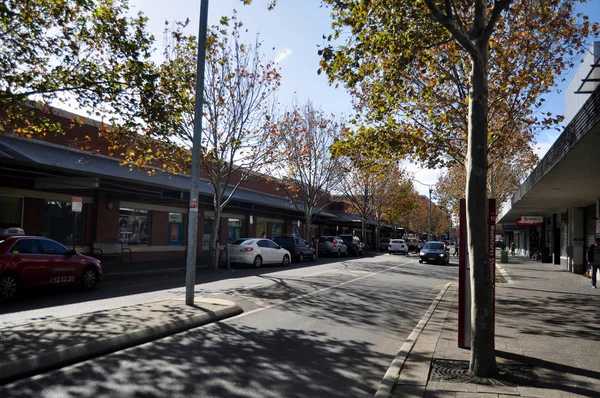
point(432, 79)
point(370, 191)
point(239, 87)
point(86, 52)
point(308, 173)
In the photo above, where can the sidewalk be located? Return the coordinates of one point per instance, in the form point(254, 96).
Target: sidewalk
point(547, 340)
point(44, 345)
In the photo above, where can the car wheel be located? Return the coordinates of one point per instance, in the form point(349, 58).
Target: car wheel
point(301, 258)
point(10, 286)
point(257, 262)
point(286, 261)
point(89, 278)
point(420, 261)
point(339, 254)
point(313, 257)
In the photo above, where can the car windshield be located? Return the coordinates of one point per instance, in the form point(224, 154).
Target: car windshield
point(397, 241)
point(435, 246)
point(284, 241)
point(326, 239)
point(244, 242)
point(346, 238)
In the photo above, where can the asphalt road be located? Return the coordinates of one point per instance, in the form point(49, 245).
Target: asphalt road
point(326, 329)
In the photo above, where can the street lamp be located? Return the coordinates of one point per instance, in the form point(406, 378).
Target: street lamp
point(430, 190)
point(190, 276)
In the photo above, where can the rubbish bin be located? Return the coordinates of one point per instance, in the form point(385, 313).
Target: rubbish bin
point(504, 256)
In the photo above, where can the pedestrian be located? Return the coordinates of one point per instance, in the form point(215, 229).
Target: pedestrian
point(593, 257)
point(455, 249)
point(512, 248)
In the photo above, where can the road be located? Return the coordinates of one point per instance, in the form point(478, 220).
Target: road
point(325, 329)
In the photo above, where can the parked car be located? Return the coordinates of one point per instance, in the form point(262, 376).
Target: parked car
point(298, 247)
point(413, 244)
point(258, 251)
point(34, 261)
point(434, 252)
point(332, 245)
point(355, 246)
point(384, 243)
point(397, 246)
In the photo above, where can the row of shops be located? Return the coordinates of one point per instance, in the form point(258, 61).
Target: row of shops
point(556, 211)
point(82, 199)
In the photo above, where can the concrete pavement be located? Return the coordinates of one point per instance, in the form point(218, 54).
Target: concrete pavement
point(49, 344)
point(547, 340)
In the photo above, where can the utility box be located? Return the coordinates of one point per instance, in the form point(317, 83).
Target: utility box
point(504, 256)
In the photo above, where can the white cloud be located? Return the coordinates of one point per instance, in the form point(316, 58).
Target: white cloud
point(282, 54)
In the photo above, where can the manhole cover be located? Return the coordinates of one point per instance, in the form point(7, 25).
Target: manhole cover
point(458, 372)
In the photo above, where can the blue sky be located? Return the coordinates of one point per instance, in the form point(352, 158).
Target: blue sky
point(295, 29)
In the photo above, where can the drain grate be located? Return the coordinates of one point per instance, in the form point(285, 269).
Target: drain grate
point(458, 372)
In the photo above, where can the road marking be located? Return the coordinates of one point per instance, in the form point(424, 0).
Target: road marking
point(315, 292)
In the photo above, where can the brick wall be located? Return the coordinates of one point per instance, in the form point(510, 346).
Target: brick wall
point(108, 221)
point(159, 235)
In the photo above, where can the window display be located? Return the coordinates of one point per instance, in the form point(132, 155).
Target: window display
point(134, 227)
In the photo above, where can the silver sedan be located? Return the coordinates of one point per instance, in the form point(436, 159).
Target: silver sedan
point(258, 251)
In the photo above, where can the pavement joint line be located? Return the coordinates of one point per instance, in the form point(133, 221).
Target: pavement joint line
point(393, 373)
point(315, 292)
point(504, 273)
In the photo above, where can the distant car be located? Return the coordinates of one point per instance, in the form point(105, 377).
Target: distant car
point(413, 244)
point(34, 261)
point(298, 247)
point(384, 243)
point(258, 251)
point(332, 245)
point(434, 252)
point(355, 246)
point(397, 246)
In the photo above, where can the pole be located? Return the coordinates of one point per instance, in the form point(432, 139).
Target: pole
point(429, 231)
point(190, 277)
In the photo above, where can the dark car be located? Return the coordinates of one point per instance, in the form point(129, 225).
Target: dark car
point(383, 244)
point(298, 247)
point(33, 261)
point(434, 252)
point(355, 246)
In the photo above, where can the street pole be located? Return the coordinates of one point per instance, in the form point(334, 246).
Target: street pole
point(190, 277)
point(429, 232)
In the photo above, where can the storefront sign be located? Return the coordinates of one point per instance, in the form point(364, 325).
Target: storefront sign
point(77, 204)
point(534, 219)
point(521, 223)
point(175, 217)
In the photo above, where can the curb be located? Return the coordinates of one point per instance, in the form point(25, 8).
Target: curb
point(504, 273)
point(391, 376)
point(59, 358)
point(111, 275)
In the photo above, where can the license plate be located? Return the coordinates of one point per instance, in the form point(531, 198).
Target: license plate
point(431, 258)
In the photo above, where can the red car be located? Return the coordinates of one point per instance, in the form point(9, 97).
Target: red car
point(32, 261)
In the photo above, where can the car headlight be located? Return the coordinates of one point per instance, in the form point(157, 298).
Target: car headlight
point(422, 253)
point(442, 255)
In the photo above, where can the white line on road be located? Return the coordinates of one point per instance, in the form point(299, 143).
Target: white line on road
point(315, 292)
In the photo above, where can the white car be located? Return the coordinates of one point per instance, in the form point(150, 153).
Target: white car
point(258, 251)
point(397, 246)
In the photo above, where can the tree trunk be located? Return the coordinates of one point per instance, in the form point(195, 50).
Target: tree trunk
point(363, 230)
point(214, 246)
point(483, 360)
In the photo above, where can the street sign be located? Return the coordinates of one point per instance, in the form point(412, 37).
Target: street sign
point(535, 219)
point(77, 204)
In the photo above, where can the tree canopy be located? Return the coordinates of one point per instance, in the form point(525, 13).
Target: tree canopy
point(91, 53)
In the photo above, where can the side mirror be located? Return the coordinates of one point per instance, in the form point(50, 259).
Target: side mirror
point(71, 253)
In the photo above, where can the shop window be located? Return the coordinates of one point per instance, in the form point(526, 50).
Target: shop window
point(10, 212)
point(276, 229)
point(175, 228)
point(208, 224)
point(261, 229)
point(62, 224)
point(134, 227)
point(234, 229)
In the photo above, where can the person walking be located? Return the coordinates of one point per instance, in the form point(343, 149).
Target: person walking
point(593, 257)
point(455, 249)
point(512, 248)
